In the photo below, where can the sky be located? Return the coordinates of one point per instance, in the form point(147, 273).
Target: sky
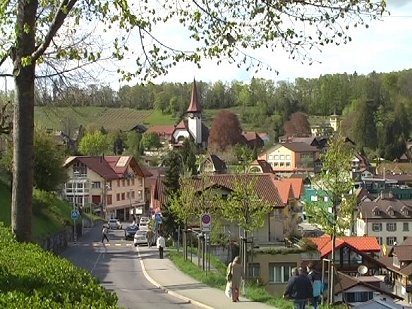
point(385, 46)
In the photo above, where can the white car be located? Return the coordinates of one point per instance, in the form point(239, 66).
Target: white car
point(144, 220)
point(114, 224)
point(140, 238)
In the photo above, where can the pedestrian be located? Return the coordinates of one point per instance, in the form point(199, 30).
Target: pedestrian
point(316, 279)
point(235, 276)
point(161, 244)
point(149, 238)
point(104, 234)
point(300, 289)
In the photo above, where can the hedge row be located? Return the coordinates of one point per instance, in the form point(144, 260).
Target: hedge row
point(33, 278)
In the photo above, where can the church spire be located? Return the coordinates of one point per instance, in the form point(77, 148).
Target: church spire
point(194, 106)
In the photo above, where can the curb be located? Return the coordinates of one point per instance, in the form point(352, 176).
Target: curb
point(172, 293)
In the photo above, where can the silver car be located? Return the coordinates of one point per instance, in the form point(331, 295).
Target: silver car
point(140, 238)
point(114, 224)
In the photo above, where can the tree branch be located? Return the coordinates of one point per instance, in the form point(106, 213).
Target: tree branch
point(64, 9)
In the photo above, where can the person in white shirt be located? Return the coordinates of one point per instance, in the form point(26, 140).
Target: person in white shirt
point(161, 244)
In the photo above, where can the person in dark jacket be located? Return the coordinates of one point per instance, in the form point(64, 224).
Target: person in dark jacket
point(299, 288)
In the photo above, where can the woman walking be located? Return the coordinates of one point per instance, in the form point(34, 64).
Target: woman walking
point(235, 270)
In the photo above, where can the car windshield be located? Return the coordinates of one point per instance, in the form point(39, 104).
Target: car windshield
point(140, 232)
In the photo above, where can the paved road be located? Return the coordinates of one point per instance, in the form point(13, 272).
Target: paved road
point(117, 267)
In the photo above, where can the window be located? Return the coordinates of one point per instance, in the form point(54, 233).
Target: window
point(282, 157)
point(133, 182)
point(123, 196)
point(287, 157)
point(379, 239)
point(390, 241)
point(280, 273)
point(376, 227)
point(282, 164)
point(357, 297)
point(109, 199)
point(406, 226)
point(276, 157)
point(96, 185)
point(123, 182)
point(128, 194)
point(254, 270)
point(132, 194)
point(128, 182)
point(275, 164)
point(118, 183)
point(118, 197)
point(391, 227)
point(287, 163)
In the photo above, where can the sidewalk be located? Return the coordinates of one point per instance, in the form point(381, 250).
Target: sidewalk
point(164, 274)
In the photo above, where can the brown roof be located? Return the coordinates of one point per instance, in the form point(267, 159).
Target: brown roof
point(162, 129)
point(367, 209)
point(194, 106)
point(219, 164)
point(299, 147)
point(264, 165)
point(346, 282)
point(107, 166)
point(265, 186)
point(403, 252)
point(297, 185)
point(285, 190)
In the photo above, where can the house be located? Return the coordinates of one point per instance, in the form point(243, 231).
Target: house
point(213, 164)
point(253, 140)
point(165, 132)
point(282, 220)
point(111, 185)
point(288, 158)
point(260, 166)
point(359, 290)
point(350, 252)
point(399, 265)
point(387, 219)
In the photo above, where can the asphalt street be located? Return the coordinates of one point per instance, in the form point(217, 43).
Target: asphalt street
point(117, 267)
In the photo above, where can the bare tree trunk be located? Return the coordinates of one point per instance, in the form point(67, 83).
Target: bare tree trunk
point(23, 152)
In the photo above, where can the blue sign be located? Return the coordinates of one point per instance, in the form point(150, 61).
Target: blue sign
point(75, 214)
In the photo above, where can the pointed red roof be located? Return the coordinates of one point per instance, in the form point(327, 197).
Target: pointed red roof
point(194, 106)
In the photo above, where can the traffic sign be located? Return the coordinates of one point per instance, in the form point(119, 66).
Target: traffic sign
point(75, 214)
point(206, 223)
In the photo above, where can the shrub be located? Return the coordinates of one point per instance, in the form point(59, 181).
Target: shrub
point(33, 278)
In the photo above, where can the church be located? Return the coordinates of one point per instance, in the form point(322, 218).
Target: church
point(190, 127)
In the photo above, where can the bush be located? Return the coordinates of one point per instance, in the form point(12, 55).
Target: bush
point(33, 278)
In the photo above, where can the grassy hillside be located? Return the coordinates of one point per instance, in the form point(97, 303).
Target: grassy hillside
point(62, 118)
point(69, 118)
point(49, 214)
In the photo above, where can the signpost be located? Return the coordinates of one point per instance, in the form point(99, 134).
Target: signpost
point(206, 223)
point(75, 216)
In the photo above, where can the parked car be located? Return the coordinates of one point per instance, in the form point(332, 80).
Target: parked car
point(139, 238)
point(144, 220)
point(114, 224)
point(130, 231)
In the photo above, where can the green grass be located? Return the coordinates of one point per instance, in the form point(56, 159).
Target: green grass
point(217, 279)
point(157, 118)
point(50, 214)
point(65, 118)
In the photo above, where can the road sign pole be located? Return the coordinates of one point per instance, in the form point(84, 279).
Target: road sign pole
point(74, 231)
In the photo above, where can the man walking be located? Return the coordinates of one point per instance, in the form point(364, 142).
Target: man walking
point(149, 238)
point(160, 243)
point(299, 288)
point(104, 234)
point(316, 279)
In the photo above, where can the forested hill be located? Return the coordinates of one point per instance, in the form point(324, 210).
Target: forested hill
point(376, 108)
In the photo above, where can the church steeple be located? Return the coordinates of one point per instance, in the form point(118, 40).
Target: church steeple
point(194, 106)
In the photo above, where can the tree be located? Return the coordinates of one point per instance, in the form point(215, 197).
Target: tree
point(222, 29)
point(225, 131)
point(94, 144)
point(297, 125)
point(246, 208)
point(333, 210)
point(49, 172)
point(364, 129)
point(133, 144)
point(151, 140)
point(188, 152)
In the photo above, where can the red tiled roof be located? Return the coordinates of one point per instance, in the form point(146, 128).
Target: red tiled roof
point(250, 136)
point(360, 243)
point(299, 147)
point(162, 129)
point(194, 106)
point(285, 190)
point(181, 125)
point(297, 185)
